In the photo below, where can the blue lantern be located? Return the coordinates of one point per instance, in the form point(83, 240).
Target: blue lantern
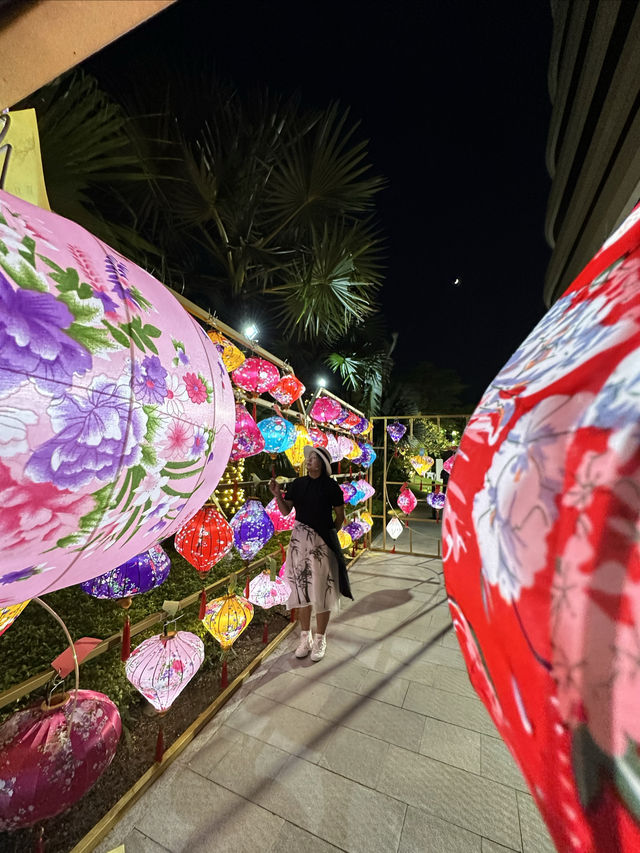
point(279, 435)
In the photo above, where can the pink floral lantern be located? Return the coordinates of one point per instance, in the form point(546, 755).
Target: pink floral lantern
point(121, 412)
point(347, 446)
point(448, 464)
point(287, 390)
point(333, 446)
point(256, 376)
point(162, 666)
point(50, 755)
point(325, 409)
point(265, 592)
point(348, 490)
point(436, 500)
point(252, 529)
point(248, 440)
point(542, 564)
point(396, 431)
point(8, 615)
point(407, 501)
point(318, 438)
point(280, 522)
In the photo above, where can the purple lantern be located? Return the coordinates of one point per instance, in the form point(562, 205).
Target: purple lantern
point(354, 529)
point(348, 490)
point(162, 666)
point(341, 418)
point(367, 455)
point(252, 529)
point(136, 576)
point(248, 439)
point(436, 500)
point(325, 410)
point(396, 431)
point(278, 434)
point(280, 522)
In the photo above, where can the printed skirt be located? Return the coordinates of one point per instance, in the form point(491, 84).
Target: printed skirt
point(311, 571)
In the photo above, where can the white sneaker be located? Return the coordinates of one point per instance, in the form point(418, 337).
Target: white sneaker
point(319, 647)
point(305, 644)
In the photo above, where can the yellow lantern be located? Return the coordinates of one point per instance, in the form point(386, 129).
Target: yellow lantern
point(421, 463)
point(345, 539)
point(9, 614)
point(231, 356)
point(227, 617)
point(355, 450)
point(366, 517)
point(295, 454)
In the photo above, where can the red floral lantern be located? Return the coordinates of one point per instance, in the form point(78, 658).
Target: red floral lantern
point(351, 422)
point(256, 376)
point(280, 522)
point(287, 390)
point(407, 501)
point(248, 440)
point(318, 438)
point(204, 539)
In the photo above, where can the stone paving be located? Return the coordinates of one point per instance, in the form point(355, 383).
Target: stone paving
point(382, 747)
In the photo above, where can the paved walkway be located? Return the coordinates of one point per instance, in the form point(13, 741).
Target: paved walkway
point(381, 747)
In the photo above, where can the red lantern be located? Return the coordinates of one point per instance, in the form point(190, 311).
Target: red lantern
point(256, 376)
point(352, 420)
point(287, 390)
point(204, 539)
point(318, 438)
point(407, 501)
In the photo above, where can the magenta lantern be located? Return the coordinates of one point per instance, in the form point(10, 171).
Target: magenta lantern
point(407, 501)
point(280, 522)
point(252, 529)
point(50, 755)
point(162, 666)
point(248, 440)
point(448, 463)
point(256, 376)
point(325, 410)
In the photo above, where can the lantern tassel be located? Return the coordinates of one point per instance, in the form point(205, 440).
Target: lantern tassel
point(125, 649)
point(39, 844)
point(265, 632)
point(235, 492)
point(393, 550)
point(246, 587)
point(293, 614)
point(159, 745)
point(203, 604)
point(339, 466)
point(283, 552)
point(255, 411)
point(224, 679)
point(420, 483)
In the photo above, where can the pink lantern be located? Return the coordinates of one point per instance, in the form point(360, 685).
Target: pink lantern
point(318, 438)
point(287, 390)
point(162, 666)
point(121, 410)
point(265, 592)
point(248, 440)
point(256, 376)
point(407, 501)
point(448, 463)
point(280, 522)
point(325, 410)
point(50, 755)
point(333, 446)
point(252, 529)
point(347, 446)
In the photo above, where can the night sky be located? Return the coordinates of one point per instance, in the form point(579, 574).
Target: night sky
point(453, 98)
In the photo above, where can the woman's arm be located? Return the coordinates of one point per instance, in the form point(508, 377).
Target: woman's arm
point(339, 511)
point(284, 506)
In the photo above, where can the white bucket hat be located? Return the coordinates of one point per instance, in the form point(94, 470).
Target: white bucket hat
point(322, 454)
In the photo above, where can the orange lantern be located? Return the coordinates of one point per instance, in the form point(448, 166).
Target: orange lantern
point(231, 356)
point(227, 617)
point(288, 390)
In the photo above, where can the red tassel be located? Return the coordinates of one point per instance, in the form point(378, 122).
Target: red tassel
point(393, 550)
point(339, 466)
point(159, 745)
point(235, 491)
point(353, 550)
point(224, 680)
point(283, 552)
point(265, 633)
point(349, 468)
point(125, 649)
point(254, 411)
point(395, 454)
point(421, 484)
point(203, 605)
point(293, 614)
point(39, 845)
point(273, 470)
point(246, 587)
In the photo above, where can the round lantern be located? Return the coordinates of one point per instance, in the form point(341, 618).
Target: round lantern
point(436, 500)
point(162, 666)
point(341, 417)
point(278, 434)
point(360, 427)
point(231, 356)
point(355, 530)
point(319, 438)
point(448, 464)
point(396, 431)
point(358, 496)
point(9, 614)
point(395, 527)
point(295, 453)
point(227, 617)
point(248, 440)
point(421, 463)
point(50, 755)
point(204, 539)
point(348, 490)
point(407, 501)
point(280, 522)
point(287, 390)
point(252, 529)
point(352, 420)
point(122, 412)
point(256, 376)
point(265, 592)
point(345, 539)
point(366, 456)
point(333, 446)
point(136, 576)
point(324, 410)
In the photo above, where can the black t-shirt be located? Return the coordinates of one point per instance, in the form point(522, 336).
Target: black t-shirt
point(313, 499)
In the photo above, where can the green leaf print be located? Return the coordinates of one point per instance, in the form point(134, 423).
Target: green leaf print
point(22, 273)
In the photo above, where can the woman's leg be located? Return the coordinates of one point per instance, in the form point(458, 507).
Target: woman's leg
point(322, 620)
point(304, 615)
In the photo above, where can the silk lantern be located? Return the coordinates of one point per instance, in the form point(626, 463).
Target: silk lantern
point(280, 522)
point(436, 500)
point(295, 453)
point(51, 754)
point(265, 592)
point(333, 446)
point(247, 440)
point(396, 431)
point(366, 456)
point(395, 527)
point(360, 427)
point(345, 539)
point(227, 617)
point(421, 463)
point(9, 614)
point(352, 420)
point(324, 410)
point(407, 501)
point(366, 518)
point(252, 529)
point(340, 418)
point(287, 390)
point(278, 434)
point(355, 530)
point(357, 496)
point(541, 558)
point(119, 410)
point(162, 666)
point(231, 356)
point(136, 576)
point(204, 539)
point(319, 438)
point(256, 376)
point(348, 491)
point(448, 464)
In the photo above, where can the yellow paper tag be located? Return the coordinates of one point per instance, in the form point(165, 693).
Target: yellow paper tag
point(24, 176)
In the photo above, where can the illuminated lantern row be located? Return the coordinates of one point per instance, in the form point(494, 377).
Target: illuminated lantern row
point(248, 440)
point(355, 530)
point(287, 390)
point(265, 592)
point(295, 453)
point(122, 411)
point(252, 529)
point(227, 617)
point(204, 539)
point(278, 434)
point(9, 614)
point(448, 463)
point(319, 438)
point(136, 576)
point(396, 431)
point(407, 501)
point(162, 666)
point(280, 522)
point(50, 755)
point(344, 538)
point(395, 527)
point(436, 500)
point(231, 356)
point(256, 376)
point(421, 463)
point(325, 410)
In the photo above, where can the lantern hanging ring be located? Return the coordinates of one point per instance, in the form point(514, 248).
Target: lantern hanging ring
point(76, 668)
point(166, 633)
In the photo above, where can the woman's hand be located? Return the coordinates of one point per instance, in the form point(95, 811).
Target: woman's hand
point(274, 488)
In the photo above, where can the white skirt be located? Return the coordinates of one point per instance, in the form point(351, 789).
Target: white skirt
point(311, 571)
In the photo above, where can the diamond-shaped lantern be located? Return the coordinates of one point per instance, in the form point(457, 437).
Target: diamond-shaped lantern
point(366, 519)
point(436, 500)
point(135, 577)
point(295, 453)
point(248, 440)
point(162, 666)
point(287, 390)
point(231, 356)
point(407, 501)
point(256, 376)
point(396, 430)
point(347, 446)
point(280, 522)
point(265, 592)
point(395, 527)
point(227, 617)
point(279, 435)
point(325, 410)
point(333, 446)
point(318, 438)
point(252, 529)
point(366, 457)
point(348, 490)
point(9, 614)
point(354, 529)
point(421, 462)
point(358, 496)
point(360, 427)
point(345, 539)
point(448, 464)
point(204, 539)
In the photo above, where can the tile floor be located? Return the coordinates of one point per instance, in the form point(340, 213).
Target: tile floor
point(381, 747)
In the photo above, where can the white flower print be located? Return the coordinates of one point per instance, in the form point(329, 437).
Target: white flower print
point(13, 430)
point(176, 395)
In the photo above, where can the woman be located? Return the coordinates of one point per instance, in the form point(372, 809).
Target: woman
point(312, 564)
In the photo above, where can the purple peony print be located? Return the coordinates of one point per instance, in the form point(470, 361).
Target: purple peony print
point(95, 437)
point(33, 342)
point(149, 380)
